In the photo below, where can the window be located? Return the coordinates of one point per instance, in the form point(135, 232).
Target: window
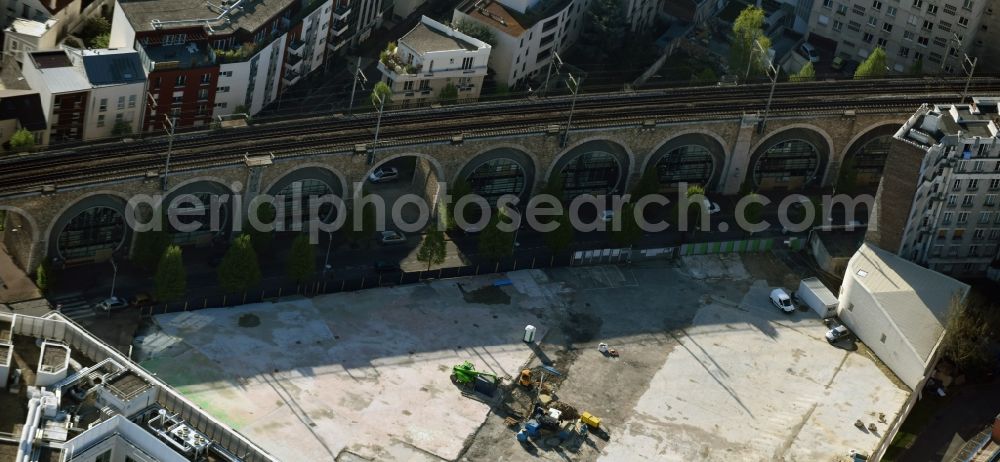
point(100, 120)
point(967, 201)
point(425, 85)
point(837, 25)
point(932, 9)
point(973, 250)
point(907, 35)
point(973, 185)
point(883, 338)
point(868, 37)
point(206, 78)
point(994, 234)
point(131, 101)
point(828, 4)
point(950, 9)
point(940, 41)
point(181, 80)
point(121, 102)
point(858, 10)
point(842, 10)
point(891, 11)
point(963, 21)
point(872, 21)
point(928, 25)
point(904, 52)
point(467, 63)
point(104, 457)
point(854, 25)
point(995, 183)
point(946, 218)
point(984, 217)
point(104, 105)
point(877, 5)
point(882, 42)
point(177, 99)
point(408, 85)
point(956, 185)
point(957, 234)
point(887, 27)
point(952, 200)
point(918, 4)
point(226, 74)
point(224, 89)
point(203, 94)
point(967, 4)
point(922, 41)
point(917, 56)
point(991, 200)
point(963, 218)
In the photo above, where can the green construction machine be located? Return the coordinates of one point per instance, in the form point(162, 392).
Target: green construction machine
point(466, 374)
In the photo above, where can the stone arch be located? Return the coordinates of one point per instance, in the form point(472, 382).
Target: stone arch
point(108, 208)
point(435, 163)
point(526, 164)
point(712, 142)
point(868, 170)
point(611, 150)
point(317, 179)
point(301, 171)
point(20, 243)
point(793, 139)
point(205, 186)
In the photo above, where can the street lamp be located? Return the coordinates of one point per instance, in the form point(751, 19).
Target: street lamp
point(114, 278)
point(771, 72)
point(329, 243)
point(574, 86)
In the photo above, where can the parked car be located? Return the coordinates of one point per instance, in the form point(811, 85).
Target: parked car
point(838, 63)
point(607, 216)
point(809, 52)
point(781, 300)
point(390, 237)
point(382, 267)
point(838, 332)
point(111, 304)
point(384, 175)
point(711, 207)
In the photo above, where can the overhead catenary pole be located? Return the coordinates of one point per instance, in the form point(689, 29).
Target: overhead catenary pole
point(354, 86)
point(378, 124)
point(772, 72)
point(170, 123)
point(574, 84)
point(548, 74)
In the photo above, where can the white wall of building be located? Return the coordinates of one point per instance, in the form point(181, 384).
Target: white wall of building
point(25, 36)
point(315, 29)
point(232, 89)
point(122, 33)
point(32, 74)
point(128, 440)
point(133, 97)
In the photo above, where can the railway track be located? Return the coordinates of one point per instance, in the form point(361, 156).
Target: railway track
point(109, 161)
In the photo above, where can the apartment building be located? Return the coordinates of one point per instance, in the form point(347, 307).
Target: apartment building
point(87, 94)
point(932, 32)
point(430, 57)
point(63, 16)
point(22, 109)
point(527, 33)
point(206, 60)
point(939, 204)
point(24, 36)
point(986, 47)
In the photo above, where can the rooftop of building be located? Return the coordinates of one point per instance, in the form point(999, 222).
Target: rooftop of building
point(112, 66)
point(31, 28)
point(953, 123)
point(224, 17)
point(915, 298)
point(430, 36)
point(71, 376)
point(70, 70)
point(508, 20)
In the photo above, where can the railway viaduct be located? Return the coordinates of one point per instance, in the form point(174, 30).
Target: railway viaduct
point(83, 223)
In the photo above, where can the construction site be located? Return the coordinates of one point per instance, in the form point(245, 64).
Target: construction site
point(667, 360)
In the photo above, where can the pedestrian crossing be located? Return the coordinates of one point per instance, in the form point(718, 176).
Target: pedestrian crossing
point(74, 307)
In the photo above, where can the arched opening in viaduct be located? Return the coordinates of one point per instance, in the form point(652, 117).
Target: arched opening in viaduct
point(402, 174)
point(693, 158)
point(210, 216)
point(19, 234)
point(298, 191)
point(864, 161)
point(790, 160)
point(597, 167)
point(91, 230)
point(500, 171)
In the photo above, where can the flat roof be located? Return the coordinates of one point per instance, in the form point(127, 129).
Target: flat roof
point(250, 14)
point(915, 298)
point(113, 66)
point(31, 28)
point(424, 39)
point(508, 20)
point(51, 59)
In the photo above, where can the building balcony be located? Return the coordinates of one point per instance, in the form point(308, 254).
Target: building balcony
point(341, 12)
point(293, 63)
point(335, 43)
point(296, 46)
point(339, 27)
point(291, 77)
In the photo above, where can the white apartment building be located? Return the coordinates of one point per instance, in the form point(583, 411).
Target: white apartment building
point(24, 36)
point(369, 18)
point(61, 16)
point(939, 205)
point(429, 57)
point(527, 33)
point(85, 94)
point(928, 31)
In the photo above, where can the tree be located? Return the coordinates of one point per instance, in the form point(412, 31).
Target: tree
point(433, 249)
point(262, 239)
point(44, 277)
point(744, 52)
point(460, 189)
point(705, 76)
point(94, 26)
point(873, 67)
point(967, 335)
point(806, 74)
point(149, 247)
point(101, 41)
point(476, 30)
point(22, 140)
point(239, 270)
point(559, 239)
point(171, 277)
point(301, 264)
point(495, 243)
point(630, 232)
point(448, 94)
point(695, 210)
point(121, 128)
point(604, 30)
point(381, 91)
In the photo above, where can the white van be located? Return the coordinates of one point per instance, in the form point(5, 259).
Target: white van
point(781, 300)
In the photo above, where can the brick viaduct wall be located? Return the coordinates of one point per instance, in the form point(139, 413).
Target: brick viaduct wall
point(42, 213)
